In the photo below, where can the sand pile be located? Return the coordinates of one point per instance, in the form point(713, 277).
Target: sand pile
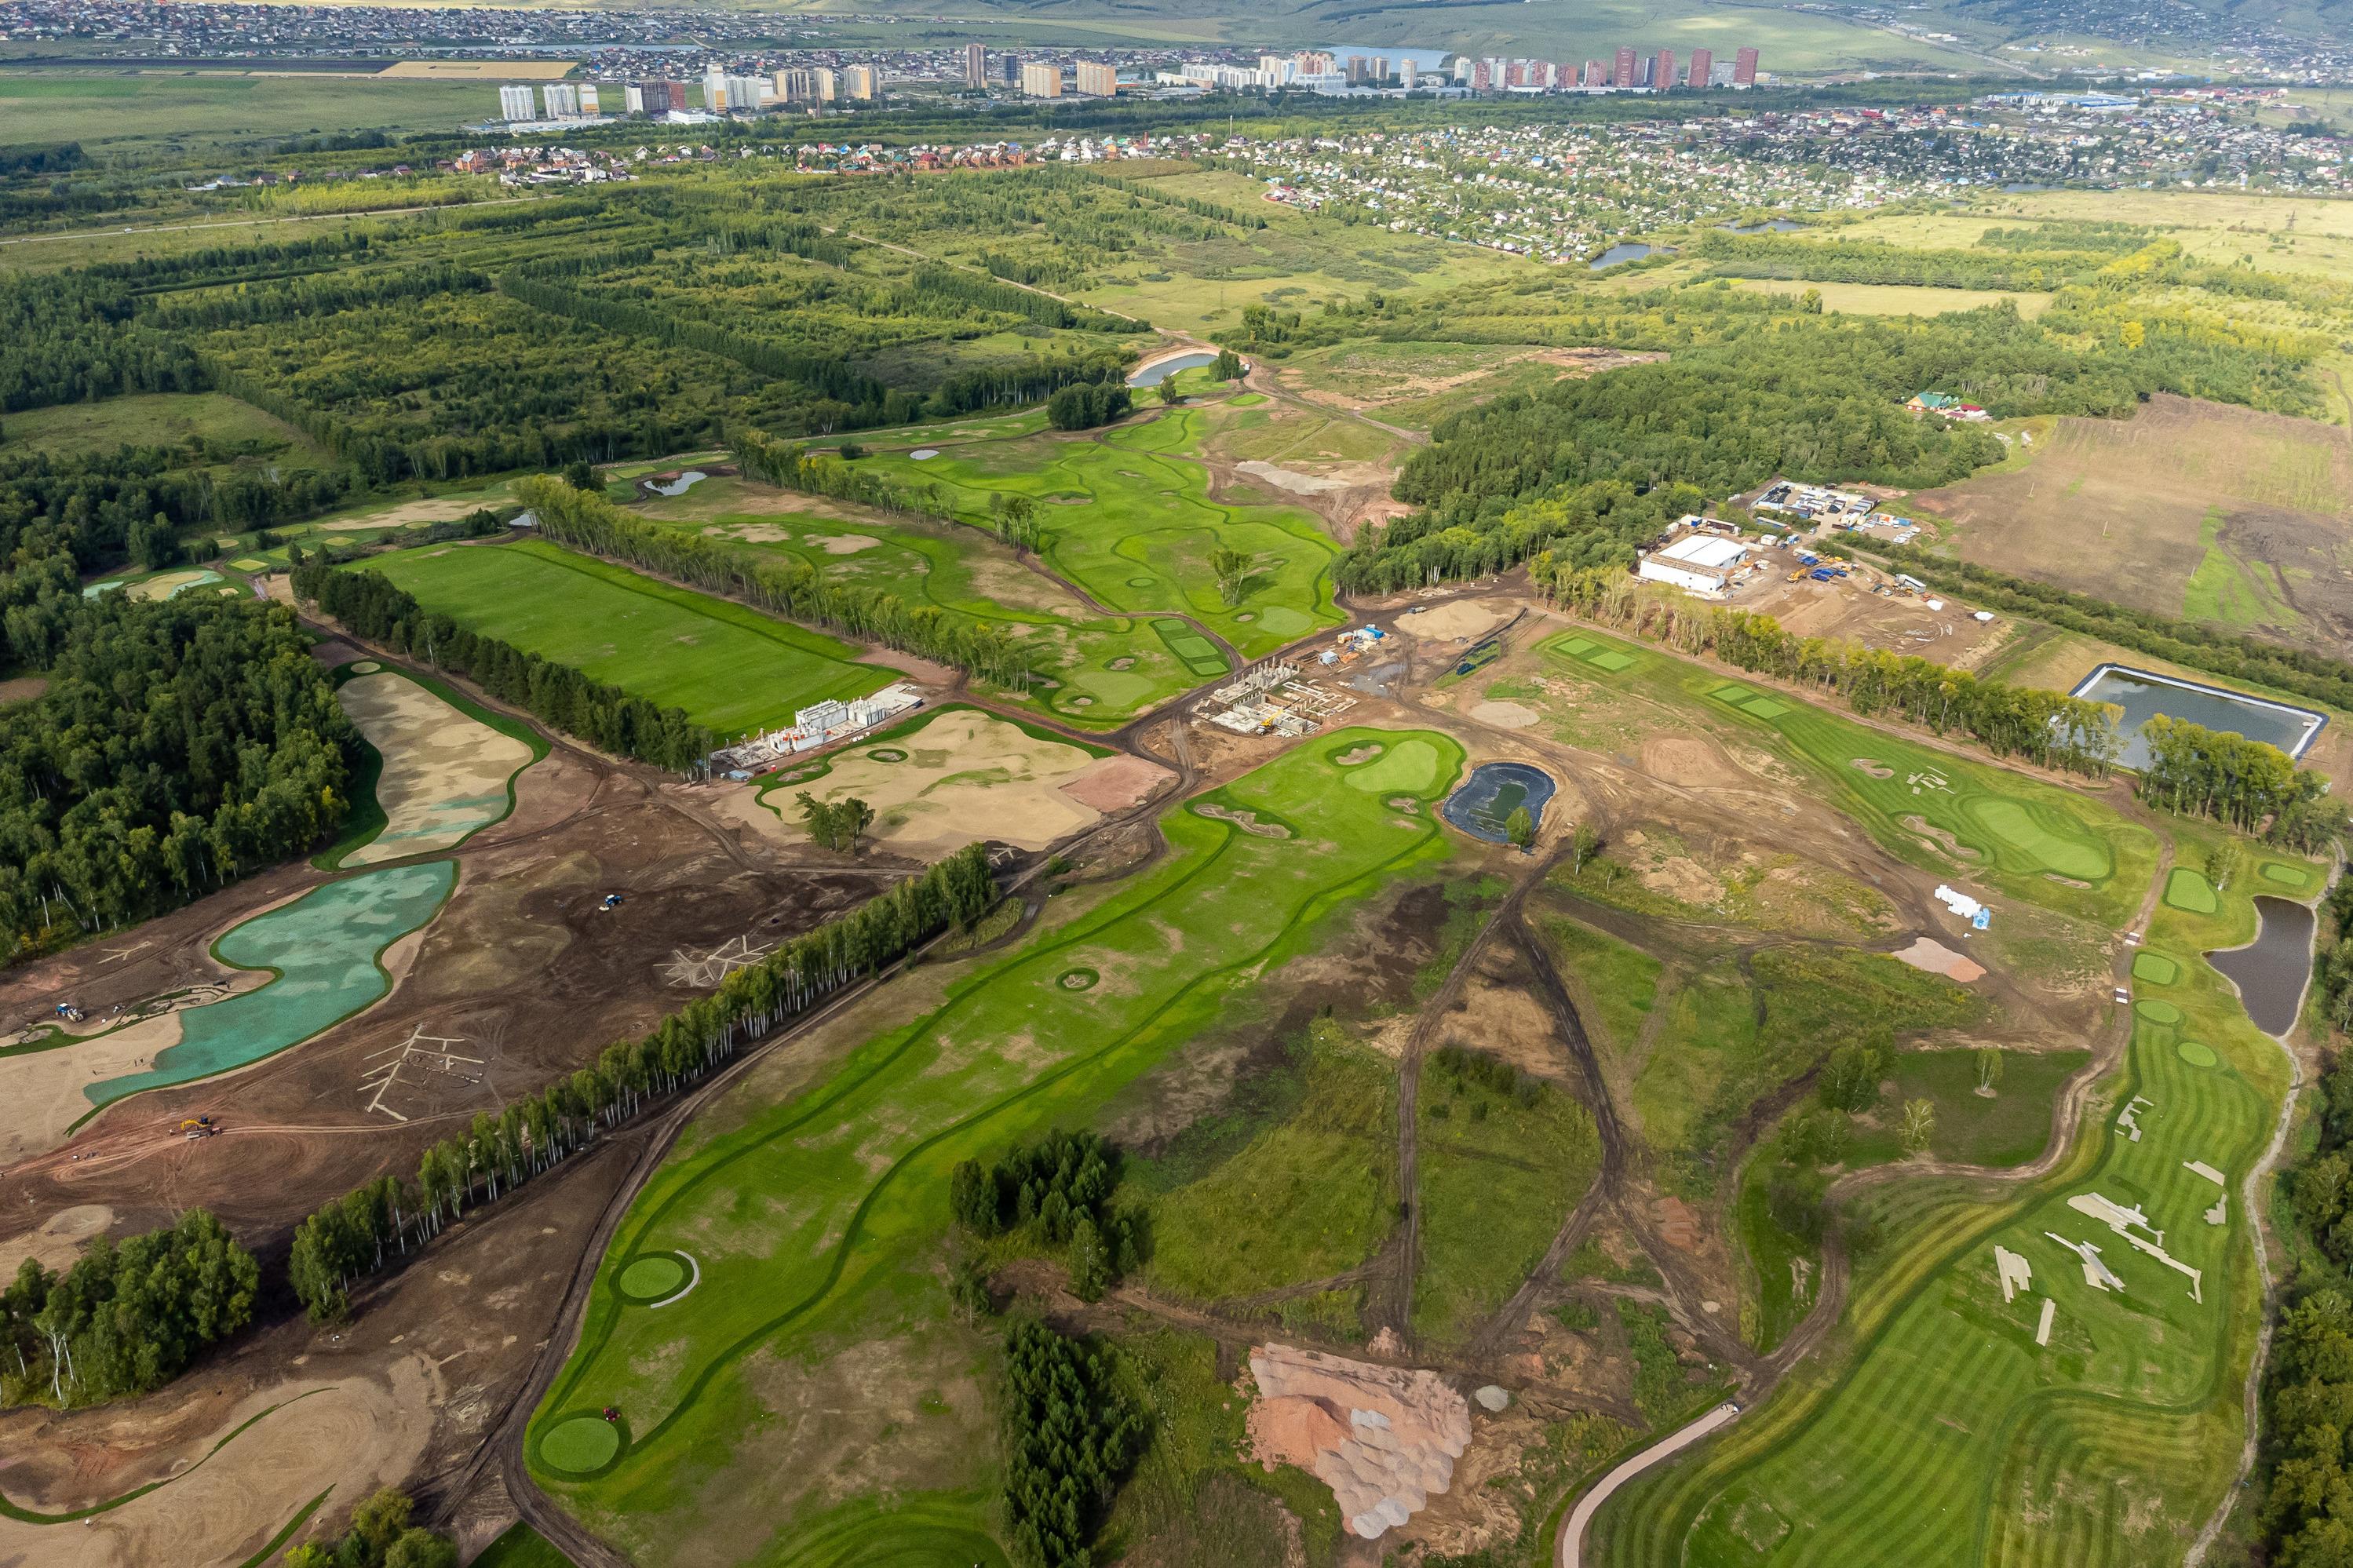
point(1934, 956)
point(1382, 1439)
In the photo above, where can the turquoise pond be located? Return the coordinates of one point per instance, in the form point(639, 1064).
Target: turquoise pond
point(324, 946)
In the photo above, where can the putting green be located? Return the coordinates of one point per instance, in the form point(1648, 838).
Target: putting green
point(1577, 645)
point(2022, 828)
point(1613, 662)
point(2155, 968)
point(2158, 1011)
point(1763, 707)
point(581, 1445)
point(247, 563)
point(653, 1277)
point(2286, 876)
point(2186, 889)
point(2196, 1054)
point(1408, 768)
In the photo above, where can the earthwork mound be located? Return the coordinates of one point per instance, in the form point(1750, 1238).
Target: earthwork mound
point(1877, 770)
point(1940, 838)
point(1077, 979)
point(886, 754)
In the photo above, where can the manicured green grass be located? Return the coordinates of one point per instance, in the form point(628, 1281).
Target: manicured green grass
point(1309, 1198)
point(2029, 839)
point(1125, 514)
point(731, 667)
point(1104, 669)
point(1947, 1436)
point(2155, 968)
point(816, 1216)
point(2187, 890)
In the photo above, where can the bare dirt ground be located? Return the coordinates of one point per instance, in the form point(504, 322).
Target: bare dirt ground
point(2119, 508)
point(1905, 625)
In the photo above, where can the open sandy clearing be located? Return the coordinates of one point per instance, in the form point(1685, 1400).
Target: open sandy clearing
point(1927, 952)
point(58, 1241)
point(968, 775)
point(1461, 618)
point(445, 774)
point(353, 1435)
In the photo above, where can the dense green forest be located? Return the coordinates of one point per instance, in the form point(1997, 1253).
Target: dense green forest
point(178, 747)
point(354, 1237)
point(1072, 1432)
point(127, 1317)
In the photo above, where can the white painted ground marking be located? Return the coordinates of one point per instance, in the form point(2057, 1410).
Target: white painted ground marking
point(2042, 1329)
point(2015, 1272)
point(425, 1052)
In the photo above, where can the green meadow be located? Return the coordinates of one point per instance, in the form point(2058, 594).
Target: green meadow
point(1106, 669)
point(815, 1212)
point(1125, 514)
point(1948, 1434)
point(2046, 844)
point(731, 667)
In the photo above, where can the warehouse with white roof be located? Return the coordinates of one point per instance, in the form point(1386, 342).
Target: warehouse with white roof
point(1697, 562)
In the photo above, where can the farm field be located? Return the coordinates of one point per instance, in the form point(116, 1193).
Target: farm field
point(2189, 508)
point(193, 108)
point(812, 1199)
point(2039, 842)
point(1953, 1436)
point(157, 419)
point(442, 773)
point(1125, 514)
point(730, 668)
point(1104, 669)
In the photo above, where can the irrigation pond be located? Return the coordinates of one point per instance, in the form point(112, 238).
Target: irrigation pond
point(1485, 802)
point(2272, 970)
point(1158, 371)
point(2143, 696)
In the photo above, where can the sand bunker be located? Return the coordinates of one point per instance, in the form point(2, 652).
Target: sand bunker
point(1290, 480)
point(842, 544)
point(968, 776)
point(1382, 1439)
point(1938, 959)
point(1876, 770)
point(1246, 820)
point(1505, 715)
point(354, 1436)
point(445, 774)
point(1461, 618)
point(1940, 837)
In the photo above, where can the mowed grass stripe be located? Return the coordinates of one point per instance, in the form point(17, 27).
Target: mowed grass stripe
point(730, 668)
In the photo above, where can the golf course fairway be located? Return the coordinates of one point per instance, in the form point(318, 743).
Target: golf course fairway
point(815, 1202)
point(1944, 1433)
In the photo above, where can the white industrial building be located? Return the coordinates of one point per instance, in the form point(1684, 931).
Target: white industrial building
point(1697, 563)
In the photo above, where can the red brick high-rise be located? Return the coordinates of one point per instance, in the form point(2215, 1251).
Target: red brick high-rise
point(1625, 73)
point(1703, 66)
point(1744, 69)
point(1662, 76)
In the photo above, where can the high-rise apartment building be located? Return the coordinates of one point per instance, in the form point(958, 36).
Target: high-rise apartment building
point(975, 65)
point(588, 98)
point(714, 90)
point(1744, 69)
point(1311, 62)
point(1358, 69)
point(1596, 74)
point(1703, 66)
point(1624, 75)
point(1041, 82)
point(1482, 76)
point(1008, 70)
point(1663, 74)
point(1097, 80)
point(563, 100)
point(515, 103)
point(1410, 75)
point(861, 83)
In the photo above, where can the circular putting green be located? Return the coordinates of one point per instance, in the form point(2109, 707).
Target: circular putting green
point(366, 667)
point(886, 754)
point(2158, 1012)
point(653, 1277)
point(580, 1444)
point(2196, 1054)
point(2186, 889)
point(2155, 968)
point(1077, 979)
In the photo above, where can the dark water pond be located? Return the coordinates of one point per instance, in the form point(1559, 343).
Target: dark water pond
point(1628, 251)
point(1154, 375)
point(1774, 226)
point(2271, 972)
point(1495, 789)
point(2143, 696)
point(678, 485)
